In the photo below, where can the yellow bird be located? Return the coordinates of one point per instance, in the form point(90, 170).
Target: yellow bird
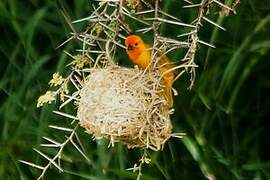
point(140, 54)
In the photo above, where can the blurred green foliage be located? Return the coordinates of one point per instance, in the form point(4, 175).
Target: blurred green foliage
point(225, 115)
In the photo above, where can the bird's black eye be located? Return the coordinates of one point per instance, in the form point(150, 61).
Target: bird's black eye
point(136, 44)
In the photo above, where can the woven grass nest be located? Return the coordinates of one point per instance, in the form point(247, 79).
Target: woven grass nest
point(125, 104)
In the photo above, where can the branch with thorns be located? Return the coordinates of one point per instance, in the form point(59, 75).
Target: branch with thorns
point(56, 160)
point(99, 45)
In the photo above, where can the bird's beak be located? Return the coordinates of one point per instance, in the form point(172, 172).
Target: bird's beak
point(129, 48)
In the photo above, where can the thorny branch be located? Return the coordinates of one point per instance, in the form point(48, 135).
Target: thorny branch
point(106, 26)
point(142, 161)
point(55, 161)
point(193, 37)
point(165, 45)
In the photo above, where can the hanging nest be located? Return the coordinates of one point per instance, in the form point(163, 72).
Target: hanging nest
point(127, 105)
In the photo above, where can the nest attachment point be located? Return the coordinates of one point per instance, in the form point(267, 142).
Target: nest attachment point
point(124, 104)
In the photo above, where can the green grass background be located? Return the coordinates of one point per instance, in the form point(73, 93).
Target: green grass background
point(226, 114)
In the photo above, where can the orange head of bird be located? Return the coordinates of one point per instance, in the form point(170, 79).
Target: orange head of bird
point(135, 46)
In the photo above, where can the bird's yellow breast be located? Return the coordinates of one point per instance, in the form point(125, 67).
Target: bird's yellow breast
point(140, 56)
point(143, 60)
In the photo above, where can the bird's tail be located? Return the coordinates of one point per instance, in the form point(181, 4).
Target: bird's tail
point(168, 91)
